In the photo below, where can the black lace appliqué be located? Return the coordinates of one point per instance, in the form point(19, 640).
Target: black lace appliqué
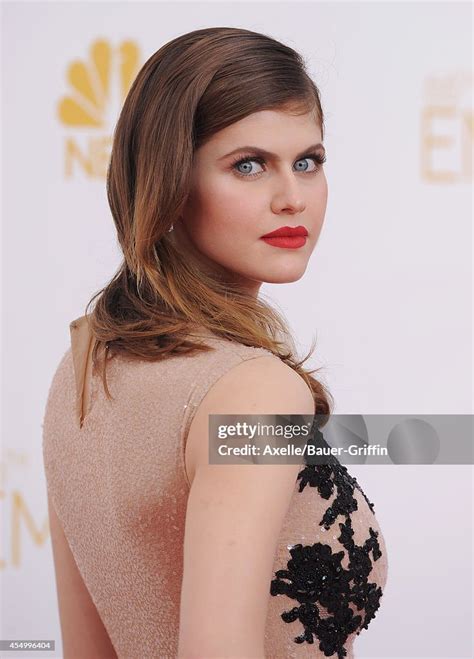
point(314, 574)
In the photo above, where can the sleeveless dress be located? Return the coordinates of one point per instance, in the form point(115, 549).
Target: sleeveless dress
point(117, 477)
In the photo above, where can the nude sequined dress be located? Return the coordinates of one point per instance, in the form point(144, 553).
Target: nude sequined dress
point(119, 486)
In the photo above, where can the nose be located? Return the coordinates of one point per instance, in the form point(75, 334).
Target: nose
point(289, 197)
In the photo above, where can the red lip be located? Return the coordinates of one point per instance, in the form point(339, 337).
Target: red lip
point(287, 231)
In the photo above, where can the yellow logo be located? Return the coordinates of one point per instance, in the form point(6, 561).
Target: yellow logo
point(98, 88)
point(447, 129)
point(23, 527)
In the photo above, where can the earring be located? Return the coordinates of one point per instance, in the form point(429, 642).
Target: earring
point(171, 228)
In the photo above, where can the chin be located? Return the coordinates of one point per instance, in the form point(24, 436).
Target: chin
point(283, 277)
point(282, 280)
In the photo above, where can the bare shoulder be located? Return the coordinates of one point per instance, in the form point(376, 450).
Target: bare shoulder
point(259, 384)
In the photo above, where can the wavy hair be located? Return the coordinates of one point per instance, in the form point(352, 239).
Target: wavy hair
point(191, 88)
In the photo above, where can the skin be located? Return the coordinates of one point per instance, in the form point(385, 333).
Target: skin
point(226, 214)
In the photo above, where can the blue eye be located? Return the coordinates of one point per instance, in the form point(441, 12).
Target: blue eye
point(247, 163)
point(317, 158)
point(305, 169)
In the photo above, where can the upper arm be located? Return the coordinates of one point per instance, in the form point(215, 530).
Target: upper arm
point(234, 517)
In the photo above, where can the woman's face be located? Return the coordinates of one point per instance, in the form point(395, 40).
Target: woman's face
point(232, 204)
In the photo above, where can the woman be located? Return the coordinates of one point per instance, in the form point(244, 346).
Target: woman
point(159, 553)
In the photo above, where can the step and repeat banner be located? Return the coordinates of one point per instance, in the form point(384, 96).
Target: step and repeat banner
point(387, 293)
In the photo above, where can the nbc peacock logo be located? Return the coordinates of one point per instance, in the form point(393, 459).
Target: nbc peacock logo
point(98, 86)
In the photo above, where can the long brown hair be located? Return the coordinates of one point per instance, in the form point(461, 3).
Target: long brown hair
point(191, 88)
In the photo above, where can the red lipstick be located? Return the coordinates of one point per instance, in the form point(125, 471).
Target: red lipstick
point(287, 237)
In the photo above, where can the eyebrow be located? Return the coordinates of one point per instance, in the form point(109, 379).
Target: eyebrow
point(268, 154)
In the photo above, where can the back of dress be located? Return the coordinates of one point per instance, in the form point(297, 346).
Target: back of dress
point(119, 485)
point(116, 475)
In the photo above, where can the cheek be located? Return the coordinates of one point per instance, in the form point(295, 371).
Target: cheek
point(318, 203)
point(325, 191)
point(225, 212)
point(319, 195)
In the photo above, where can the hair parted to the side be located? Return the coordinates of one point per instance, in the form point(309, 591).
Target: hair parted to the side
point(192, 87)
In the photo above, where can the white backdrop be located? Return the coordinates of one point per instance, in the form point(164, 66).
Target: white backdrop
point(388, 292)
